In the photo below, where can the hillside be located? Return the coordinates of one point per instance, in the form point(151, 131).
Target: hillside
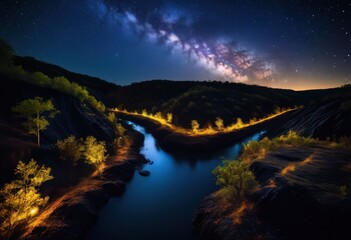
point(205, 101)
point(96, 86)
point(189, 100)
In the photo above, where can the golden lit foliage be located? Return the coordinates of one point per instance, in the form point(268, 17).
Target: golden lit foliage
point(32, 111)
point(235, 176)
point(60, 83)
point(195, 126)
point(71, 149)
point(258, 149)
point(219, 124)
point(112, 117)
point(169, 117)
point(120, 130)
point(209, 130)
point(20, 199)
point(95, 152)
point(121, 139)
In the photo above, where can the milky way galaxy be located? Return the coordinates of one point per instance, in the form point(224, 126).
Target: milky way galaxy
point(287, 44)
point(173, 28)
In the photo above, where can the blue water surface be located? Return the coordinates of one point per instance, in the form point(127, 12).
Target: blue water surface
point(162, 205)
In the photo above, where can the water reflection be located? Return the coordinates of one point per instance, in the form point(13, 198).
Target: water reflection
point(162, 205)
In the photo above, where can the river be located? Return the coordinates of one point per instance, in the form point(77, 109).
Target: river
point(162, 205)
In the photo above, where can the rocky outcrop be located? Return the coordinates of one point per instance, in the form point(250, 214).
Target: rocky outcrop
point(330, 119)
point(304, 194)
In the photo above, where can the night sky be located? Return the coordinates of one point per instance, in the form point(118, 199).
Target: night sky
point(288, 44)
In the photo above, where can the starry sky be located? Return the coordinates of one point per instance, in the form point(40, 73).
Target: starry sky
point(297, 44)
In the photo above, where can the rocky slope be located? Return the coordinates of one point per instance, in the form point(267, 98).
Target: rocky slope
point(70, 216)
point(329, 119)
point(304, 194)
point(74, 118)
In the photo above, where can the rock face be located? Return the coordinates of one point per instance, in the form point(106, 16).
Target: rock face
point(329, 119)
point(304, 194)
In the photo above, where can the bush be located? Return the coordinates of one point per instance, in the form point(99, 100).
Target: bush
point(236, 177)
point(71, 149)
point(258, 149)
point(95, 152)
point(20, 199)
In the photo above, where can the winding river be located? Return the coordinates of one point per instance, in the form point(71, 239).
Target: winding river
point(162, 205)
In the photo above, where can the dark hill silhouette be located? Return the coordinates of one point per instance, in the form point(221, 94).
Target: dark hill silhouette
point(205, 101)
point(96, 86)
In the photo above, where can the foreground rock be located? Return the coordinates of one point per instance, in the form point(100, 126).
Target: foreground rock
point(304, 194)
point(144, 173)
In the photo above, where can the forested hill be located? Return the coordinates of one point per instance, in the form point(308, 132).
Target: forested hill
point(205, 101)
point(97, 85)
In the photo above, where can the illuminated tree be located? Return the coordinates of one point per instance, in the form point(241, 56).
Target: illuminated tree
point(235, 176)
point(20, 198)
point(169, 117)
point(239, 123)
point(277, 109)
point(195, 126)
point(32, 111)
point(219, 124)
point(71, 149)
point(112, 117)
point(158, 115)
point(120, 130)
point(94, 152)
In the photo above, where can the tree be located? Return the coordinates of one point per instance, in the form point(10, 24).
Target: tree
point(70, 148)
point(32, 111)
point(169, 117)
point(235, 176)
point(20, 198)
point(94, 152)
point(120, 130)
point(158, 115)
point(195, 126)
point(239, 123)
point(219, 124)
point(112, 117)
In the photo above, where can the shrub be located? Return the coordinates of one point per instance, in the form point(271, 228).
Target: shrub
point(71, 149)
point(20, 199)
point(95, 152)
point(195, 126)
point(219, 124)
point(236, 177)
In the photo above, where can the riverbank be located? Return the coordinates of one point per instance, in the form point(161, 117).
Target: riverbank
point(171, 140)
point(304, 193)
point(72, 215)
